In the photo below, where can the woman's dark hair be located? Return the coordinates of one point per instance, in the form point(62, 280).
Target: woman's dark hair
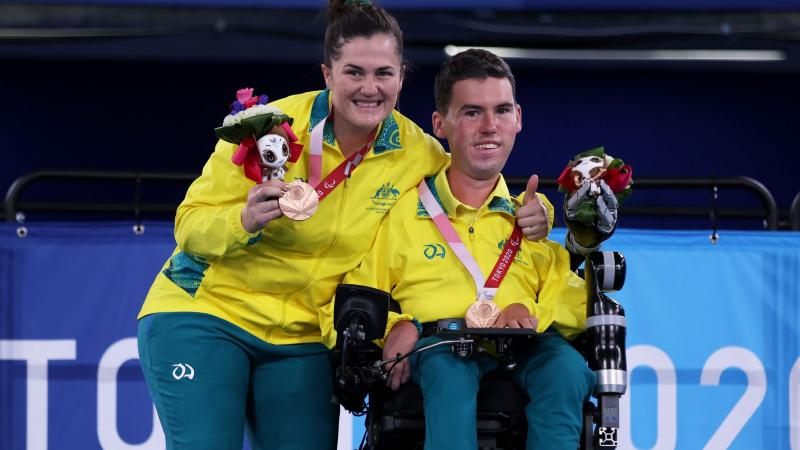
point(348, 19)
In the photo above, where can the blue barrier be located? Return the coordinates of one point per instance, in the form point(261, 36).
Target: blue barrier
point(713, 350)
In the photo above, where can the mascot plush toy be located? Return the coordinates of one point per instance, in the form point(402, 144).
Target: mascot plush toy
point(596, 184)
point(274, 152)
point(261, 153)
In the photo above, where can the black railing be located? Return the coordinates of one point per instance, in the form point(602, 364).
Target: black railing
point(13, 205)
point(794, 213)
point(768, 212)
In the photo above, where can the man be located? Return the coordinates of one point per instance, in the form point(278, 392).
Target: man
point(435, 253)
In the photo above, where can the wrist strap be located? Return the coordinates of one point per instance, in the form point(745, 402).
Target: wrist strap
point(418, 325)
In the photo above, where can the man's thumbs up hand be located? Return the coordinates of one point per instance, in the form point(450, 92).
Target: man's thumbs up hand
point(532, 215)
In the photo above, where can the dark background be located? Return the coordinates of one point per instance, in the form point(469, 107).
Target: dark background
point(115, 87)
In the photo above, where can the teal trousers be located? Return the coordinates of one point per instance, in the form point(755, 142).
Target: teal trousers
point(554, 375)
point(210, 381)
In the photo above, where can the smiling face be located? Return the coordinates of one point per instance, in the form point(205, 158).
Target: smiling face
point(365, 82)
point(481, 125)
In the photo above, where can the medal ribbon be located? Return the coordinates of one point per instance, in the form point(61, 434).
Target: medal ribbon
point(488, 288)
point(338, 174)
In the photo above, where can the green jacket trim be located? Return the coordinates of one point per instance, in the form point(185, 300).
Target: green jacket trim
point(186, 271)
point(503, 205)
point(497, 204)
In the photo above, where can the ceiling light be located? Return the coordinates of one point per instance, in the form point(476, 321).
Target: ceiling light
point(629, 55)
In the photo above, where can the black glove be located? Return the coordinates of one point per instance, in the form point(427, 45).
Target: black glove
point(590, 219)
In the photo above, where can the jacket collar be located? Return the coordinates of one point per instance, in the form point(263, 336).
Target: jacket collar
point(388, 138)
point(500, 200)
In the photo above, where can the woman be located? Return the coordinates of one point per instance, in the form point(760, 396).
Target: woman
point(237, 305)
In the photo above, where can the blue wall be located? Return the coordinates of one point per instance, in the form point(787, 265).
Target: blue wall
point(713, 346)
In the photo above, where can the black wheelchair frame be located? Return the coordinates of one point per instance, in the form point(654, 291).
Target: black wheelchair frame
point(395, 419)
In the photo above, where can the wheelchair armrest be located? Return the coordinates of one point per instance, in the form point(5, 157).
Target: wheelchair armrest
point(455, 328)
point(466, 341)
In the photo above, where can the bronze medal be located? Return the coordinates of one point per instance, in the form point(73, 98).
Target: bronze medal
point(299, 202)
point(482, 314)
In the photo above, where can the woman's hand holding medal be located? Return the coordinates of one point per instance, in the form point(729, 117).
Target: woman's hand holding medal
point(262, 205)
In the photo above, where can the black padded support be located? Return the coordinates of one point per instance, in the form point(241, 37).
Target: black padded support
point(396, 419)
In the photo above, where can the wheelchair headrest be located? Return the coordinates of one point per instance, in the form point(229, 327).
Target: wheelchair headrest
point(364, 305)
point(607, 269)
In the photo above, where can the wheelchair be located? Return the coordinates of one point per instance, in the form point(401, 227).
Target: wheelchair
point(395, 419)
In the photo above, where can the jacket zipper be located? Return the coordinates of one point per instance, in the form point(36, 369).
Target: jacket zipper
point(320, 257)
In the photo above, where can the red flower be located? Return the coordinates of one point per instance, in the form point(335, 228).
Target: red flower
point(618, 179)
point(566, 181)
point(250, 102)
point(247, 155)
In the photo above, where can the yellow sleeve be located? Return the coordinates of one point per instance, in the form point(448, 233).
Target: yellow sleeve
point(436, 158)
point(208, 222)
point(562, 294)
point(380, 269)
